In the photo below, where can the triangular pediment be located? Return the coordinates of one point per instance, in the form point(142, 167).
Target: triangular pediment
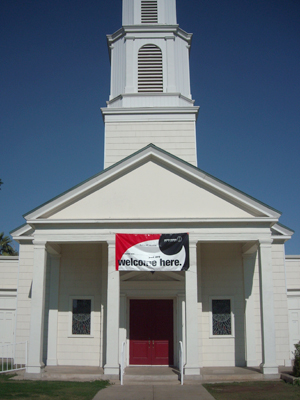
point(150, 191)
point(152, 184)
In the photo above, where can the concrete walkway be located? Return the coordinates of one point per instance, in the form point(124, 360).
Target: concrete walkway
point(151, 392)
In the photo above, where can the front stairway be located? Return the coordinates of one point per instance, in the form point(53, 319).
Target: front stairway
point(171, 376)
point(151, 376)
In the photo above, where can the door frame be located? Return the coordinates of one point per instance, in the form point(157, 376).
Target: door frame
point(175, 324)
point(173, 328)
point(171, 290)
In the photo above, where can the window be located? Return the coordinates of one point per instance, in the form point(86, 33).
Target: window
point(81, 316)
point(149, 12)
point(221, 317)
point(150, 69)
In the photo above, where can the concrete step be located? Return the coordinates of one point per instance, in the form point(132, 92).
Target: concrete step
point(71, 377)
point(237, 378)
point(150, 380)
point(153, 377)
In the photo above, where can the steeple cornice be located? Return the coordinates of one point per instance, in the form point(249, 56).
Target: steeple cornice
point(140, 31)
point(135, 100)
point(151, 110)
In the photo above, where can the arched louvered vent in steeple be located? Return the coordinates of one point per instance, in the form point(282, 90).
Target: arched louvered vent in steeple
point(149, 12)
point(150, 69)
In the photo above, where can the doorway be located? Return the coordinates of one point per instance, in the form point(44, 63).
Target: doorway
point(151, 332)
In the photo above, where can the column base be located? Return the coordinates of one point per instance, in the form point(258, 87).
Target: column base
point(33, 370)
point(269, 369)
point(191, 370)
point(111, 370)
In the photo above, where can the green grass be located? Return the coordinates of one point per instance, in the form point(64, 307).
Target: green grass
point(44, 390)
point(273, 390)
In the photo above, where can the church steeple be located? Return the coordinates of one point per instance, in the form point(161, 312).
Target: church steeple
point(137, 12)
point(150, 99)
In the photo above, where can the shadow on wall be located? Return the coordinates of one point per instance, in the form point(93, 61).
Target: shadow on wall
point(80, 275)
point(221, 277)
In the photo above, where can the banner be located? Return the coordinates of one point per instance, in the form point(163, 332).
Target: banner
point(168, 252)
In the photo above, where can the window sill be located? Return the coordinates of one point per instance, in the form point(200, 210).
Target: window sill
point(81, 336)
point(221, 336)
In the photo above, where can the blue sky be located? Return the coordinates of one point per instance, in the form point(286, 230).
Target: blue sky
point(54, 77)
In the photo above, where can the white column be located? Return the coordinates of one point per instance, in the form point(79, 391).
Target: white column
point(53, 310)
point(131, 68)
point(199, 305)
point(112, 70)
point(171, 84)
point(269, 365)
point(112, 323)
point(192, 366)
point(249, 261)
point(36, 334)
point(122, 329)
point(180, 325)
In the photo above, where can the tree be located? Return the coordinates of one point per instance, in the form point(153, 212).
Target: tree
point(5, 246)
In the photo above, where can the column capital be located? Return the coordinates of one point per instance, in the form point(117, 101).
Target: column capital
point(39, 244)
point(193, 242)
point(170, 38)
point(111, 242)
point(265, 242)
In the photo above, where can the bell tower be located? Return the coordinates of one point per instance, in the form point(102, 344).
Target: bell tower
point(150, 98)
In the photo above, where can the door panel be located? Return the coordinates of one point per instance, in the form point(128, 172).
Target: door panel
point(151, 332)
point(141, 352)
point(160, 352)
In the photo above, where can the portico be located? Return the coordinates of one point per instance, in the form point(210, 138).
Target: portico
point(229, 261)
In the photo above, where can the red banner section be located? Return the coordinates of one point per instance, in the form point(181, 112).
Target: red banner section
point(166, 252)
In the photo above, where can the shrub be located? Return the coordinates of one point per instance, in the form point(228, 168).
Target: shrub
point(296, 368)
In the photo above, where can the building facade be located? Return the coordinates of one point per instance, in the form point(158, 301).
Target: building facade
point(229, 307)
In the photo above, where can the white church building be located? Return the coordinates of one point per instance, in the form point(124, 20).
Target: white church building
point(152, 251)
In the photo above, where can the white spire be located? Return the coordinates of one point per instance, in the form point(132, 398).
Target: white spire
point(150, 83)
point(137, 12)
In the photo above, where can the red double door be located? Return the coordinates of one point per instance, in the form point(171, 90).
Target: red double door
point(151, 332)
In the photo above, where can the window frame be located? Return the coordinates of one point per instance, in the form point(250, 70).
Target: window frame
point(211, 334)
point(71, 298)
